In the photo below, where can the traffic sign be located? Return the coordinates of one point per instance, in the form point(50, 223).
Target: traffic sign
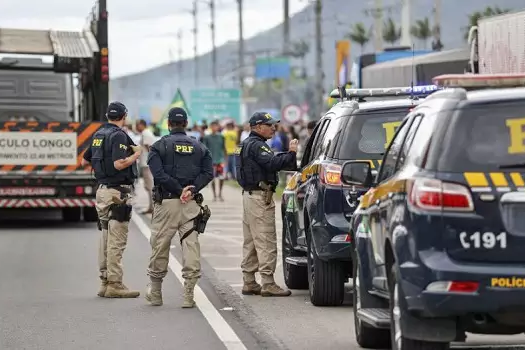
point(208, 104)
point(292, 114)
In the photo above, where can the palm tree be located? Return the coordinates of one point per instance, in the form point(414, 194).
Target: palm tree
point(422, 30)
point(391, 33)
point(474, 17)
point(359, 35)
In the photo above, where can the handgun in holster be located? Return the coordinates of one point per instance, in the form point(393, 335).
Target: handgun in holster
point(200, 221)
point(120, 209)
point(267, 192)
point(157, 195)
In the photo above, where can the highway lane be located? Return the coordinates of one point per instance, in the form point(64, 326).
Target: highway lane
point(294, 321)
point(48, 296)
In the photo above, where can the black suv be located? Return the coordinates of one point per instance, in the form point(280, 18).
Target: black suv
point(317, 207)
point(440, 235)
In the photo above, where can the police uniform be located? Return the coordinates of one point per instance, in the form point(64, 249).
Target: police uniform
point(176, 161)
point(109, 144)
point(258, 167)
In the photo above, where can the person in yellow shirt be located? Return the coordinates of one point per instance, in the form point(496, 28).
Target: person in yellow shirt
point(230, 142)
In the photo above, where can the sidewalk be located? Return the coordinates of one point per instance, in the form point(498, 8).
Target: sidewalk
point(221, 244)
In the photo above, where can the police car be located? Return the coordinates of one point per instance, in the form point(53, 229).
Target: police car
point(316, 207)
point(440, 236)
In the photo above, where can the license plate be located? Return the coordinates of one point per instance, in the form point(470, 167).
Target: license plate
point(27, 191)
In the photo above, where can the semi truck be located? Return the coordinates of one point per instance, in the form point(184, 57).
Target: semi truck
point(497, 44)
point(53, 96)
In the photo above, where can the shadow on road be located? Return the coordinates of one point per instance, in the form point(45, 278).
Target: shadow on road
point(17, 219)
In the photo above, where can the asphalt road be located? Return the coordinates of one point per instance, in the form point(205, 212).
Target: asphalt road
point(49, 283)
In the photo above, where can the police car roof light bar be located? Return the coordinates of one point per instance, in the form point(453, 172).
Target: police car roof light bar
point(480, 80)
point(385, 92)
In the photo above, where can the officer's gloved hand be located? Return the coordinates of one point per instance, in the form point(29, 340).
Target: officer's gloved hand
point(186, 194)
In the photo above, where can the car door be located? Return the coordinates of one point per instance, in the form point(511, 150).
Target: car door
point(379, 199)
point(307, 176)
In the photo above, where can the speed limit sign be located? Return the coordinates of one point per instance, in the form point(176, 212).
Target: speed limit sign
point(292, 114)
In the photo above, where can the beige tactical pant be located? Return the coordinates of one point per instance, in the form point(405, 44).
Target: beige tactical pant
point(260, 238)
point(114, 239)
point(148, 184)
point(169, 218)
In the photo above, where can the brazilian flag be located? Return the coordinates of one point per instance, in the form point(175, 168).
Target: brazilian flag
point(177, 101)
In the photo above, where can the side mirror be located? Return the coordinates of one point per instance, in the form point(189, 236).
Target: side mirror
point(357, 172)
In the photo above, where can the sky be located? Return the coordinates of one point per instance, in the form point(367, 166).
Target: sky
point(142, 35)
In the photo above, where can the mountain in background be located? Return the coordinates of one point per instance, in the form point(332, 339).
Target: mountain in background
point(158, 85)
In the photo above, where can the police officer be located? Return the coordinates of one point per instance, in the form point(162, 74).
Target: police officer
point(257, 173)
point(112, 155)
point(181, 167)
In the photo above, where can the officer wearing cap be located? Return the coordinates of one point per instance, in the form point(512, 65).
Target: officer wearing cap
point(181, 167)
point(112, 155)
point(257, 170)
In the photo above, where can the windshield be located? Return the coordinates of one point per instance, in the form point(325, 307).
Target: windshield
point(370, 133)
point(485, 137)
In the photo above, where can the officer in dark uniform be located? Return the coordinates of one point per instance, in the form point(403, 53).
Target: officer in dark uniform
point(181, 166)
point(257, 173)
point(112, 155)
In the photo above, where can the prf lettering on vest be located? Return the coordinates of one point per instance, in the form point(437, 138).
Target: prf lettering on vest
point(508, 282)
point(516, 135)
point(97, 142)
point(183, 149)
point(390, 130)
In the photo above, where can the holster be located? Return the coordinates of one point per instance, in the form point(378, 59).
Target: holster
point(157, 195)
point(267, 192)
point(200, 221)
point(102, 225)
point(121, 212)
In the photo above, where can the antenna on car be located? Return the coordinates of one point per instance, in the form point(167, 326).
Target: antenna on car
point(413, 68)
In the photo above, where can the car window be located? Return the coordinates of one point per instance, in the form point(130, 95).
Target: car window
point(317, 146)
point(422, 138)
point(388, 168)
point(309, 145)
point(369, 132)
point(408, 142)
point(328, 138)
point(485, 137)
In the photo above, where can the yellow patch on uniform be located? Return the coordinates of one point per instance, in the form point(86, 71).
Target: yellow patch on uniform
point(268, 116)
point(124, 147)
point(266, 149)
point(97, 142)
point(186, 149)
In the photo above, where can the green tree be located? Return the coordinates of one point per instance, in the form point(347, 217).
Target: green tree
point(391, 33)
point(422, 30)
point(474, 17)
point(299, 50)
point(359, 35)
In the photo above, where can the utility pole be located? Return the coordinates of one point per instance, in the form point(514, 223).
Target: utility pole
point(378, 25)
point(241, 46)
point(195, 40)
point(214, 48)
point(286, 46)
point(437, 45)
point(179, 63)
point(319, 75)
point(406, 21)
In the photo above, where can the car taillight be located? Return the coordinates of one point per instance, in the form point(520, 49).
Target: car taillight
point(330, 174)
point(79, 190)
point(431, 194)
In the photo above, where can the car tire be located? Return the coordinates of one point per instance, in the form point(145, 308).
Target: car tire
point(326, 279)
point(295, 277)
point(397, 308)
point(90, 214)
point(367, 336)
point(71, 214)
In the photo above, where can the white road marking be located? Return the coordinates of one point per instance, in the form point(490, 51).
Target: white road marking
point(219, 325)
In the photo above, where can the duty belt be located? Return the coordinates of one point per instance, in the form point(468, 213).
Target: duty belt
point(169, 195)
point(120, 188)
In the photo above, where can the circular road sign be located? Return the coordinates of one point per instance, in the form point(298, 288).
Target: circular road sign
point(292, 114)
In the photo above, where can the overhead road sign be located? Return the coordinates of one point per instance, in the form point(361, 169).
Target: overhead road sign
point(209, 104)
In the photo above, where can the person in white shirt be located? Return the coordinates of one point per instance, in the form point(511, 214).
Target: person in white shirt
point(147, 139)
point(246, 132)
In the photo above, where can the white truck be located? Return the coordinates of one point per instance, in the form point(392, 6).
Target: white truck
point(498, 44)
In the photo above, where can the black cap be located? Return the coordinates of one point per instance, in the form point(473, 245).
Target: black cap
point(177, 115)
point(116, 110)
point(262, 118)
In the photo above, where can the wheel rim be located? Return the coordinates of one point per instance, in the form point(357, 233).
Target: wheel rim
point(396, 319)
point(357, 300)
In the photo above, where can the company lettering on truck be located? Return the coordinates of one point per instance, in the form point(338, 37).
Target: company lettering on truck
point(38, 148)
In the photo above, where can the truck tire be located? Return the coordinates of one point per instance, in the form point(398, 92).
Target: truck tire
point(71, 214)
point(367, 336)
point(90, 214)
point(397, 308)
point(326, 279)
point(295, 277)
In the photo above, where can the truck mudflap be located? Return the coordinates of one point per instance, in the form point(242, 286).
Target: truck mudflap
point(51, 148)
point(46, 203)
